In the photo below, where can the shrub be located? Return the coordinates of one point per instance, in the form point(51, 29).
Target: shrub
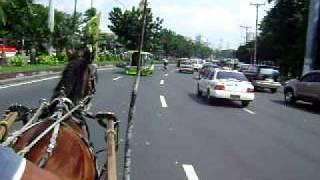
point(49, 60)
point(62, 57)
point(18, 61)
point(108, 57)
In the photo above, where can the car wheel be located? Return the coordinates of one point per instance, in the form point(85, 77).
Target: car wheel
point(316, 104)
point(245, 103)
point(289, 97)
point(199, 93)
point(273, 90)
point(209, 98)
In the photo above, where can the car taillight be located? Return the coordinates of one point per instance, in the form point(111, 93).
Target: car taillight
point(250, 90)
point(219, 87)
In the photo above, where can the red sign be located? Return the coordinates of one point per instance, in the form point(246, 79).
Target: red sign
point(8, 49)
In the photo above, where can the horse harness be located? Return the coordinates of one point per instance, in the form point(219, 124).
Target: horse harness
point(64, 109)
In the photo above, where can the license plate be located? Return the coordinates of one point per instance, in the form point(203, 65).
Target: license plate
point(235, 97)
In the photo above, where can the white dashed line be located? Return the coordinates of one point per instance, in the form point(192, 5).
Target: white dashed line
point(29, 82)
point(163, 102)
point(248, 111)
point(117, 78)
point(40, 80)
point(190, 172)
point(166, 75)
point(162, 82)
point(105, 69)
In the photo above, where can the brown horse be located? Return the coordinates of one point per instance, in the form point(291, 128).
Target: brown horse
point(71, 156)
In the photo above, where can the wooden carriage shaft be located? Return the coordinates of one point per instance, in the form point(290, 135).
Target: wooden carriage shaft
point(111, 151)
point(11, 118)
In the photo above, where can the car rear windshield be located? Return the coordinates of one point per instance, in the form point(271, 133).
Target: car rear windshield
point(269, 71)
point(186, 63)
point(231, 75)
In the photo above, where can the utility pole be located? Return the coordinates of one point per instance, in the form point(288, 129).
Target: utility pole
point(246, 28)
point(256, 38)
point(50, 26)
point(134, 93)
point(312, 36)
point(91, 4)
point(75, 12)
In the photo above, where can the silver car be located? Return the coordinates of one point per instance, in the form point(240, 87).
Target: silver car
point(306, 88)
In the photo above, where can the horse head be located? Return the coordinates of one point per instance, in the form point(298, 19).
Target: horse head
point(78, 78)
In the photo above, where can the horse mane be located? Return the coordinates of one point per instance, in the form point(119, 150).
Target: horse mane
point(72, 77)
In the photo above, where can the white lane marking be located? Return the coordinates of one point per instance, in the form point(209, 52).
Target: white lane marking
point(166, 75)
point(105, 69)
point(248, 111)
point(40, 80)
point(190, 172)
point(29, 82)
point(162, 82)
point(163, 102)
point(117, 78)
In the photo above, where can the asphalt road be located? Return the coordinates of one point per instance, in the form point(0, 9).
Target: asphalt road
point(178, 136)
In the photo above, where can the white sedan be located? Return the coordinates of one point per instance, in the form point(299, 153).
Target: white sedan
point(226, 84)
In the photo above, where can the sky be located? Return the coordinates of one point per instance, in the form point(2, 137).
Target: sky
point(217, 21)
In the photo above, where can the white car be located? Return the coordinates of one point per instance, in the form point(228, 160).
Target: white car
point(197, 64)
point(226, 84)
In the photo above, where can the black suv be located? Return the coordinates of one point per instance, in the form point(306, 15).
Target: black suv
point(264, 77)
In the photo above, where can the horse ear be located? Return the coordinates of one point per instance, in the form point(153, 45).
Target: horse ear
point(71, 54)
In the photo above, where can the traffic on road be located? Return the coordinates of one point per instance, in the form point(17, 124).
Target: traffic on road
point(159, 90)
point(170, 127)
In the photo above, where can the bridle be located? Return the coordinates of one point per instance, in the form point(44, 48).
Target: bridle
point(64, 109)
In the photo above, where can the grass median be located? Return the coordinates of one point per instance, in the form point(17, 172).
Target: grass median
point(44, 67)
point(29, 68)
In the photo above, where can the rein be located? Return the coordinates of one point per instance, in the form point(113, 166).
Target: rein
point(81, 104)
point(63, 104)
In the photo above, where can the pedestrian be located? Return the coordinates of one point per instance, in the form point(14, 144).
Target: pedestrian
point(14, 167)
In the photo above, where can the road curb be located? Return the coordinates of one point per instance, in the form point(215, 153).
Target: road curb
point(22, 77)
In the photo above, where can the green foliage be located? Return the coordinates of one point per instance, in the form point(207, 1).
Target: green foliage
point(172, 44)
point(92, 29)
point(245, 52)
point(227, 53)
point(108, 41)
point(62, 57)
point(283, 36)
point(49, 60)
point(29, 23)
point(108, 57)
point(17, 61)
point(127, 26)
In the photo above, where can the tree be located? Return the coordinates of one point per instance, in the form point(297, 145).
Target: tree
point(3, 17)
point(227, 53)
point(29, 29)
point(201, 49)
point(108, 41)
point(245, 52)
point(283, 35)
point(127, 26)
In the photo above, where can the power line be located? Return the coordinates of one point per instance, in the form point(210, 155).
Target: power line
point(257, 5)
